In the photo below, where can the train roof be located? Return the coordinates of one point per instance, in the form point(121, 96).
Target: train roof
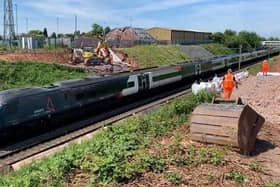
point(19, 92)
point(10, 94)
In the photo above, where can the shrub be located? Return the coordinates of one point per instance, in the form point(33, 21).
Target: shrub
point(174, 178)
point(236, 176)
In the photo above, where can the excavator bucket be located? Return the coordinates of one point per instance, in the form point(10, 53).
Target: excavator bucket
point(237, 101)
point(226, 123)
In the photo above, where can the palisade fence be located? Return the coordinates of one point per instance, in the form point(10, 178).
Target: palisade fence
point(131, 43)
point(52, 43)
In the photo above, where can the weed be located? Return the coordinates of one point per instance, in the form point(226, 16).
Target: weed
point(211, 176)
point(254, 166)
point(236, 176)
point(272, 184)
point(174, 178)
point(154, 163)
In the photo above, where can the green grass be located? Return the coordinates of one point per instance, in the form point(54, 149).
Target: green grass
point(23, 74)
point(114, 155)
point(156, 55)
point(255, 69)
point(174, 178)
point(236, 176)
point(218, 49)
point(255, 166)
point(272, 184)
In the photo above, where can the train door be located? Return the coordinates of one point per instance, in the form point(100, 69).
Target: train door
point(144, 82)
point(197, 69)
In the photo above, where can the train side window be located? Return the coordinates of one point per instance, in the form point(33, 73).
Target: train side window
point(66, 96)
point(11, 108)
point(130, 84)
point(80, 96)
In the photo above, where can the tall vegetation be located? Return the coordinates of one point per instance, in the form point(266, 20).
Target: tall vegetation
point(98, 30)
point(22, 74)
point(233, 40)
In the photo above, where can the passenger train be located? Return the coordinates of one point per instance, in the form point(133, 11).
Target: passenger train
point(27, 108)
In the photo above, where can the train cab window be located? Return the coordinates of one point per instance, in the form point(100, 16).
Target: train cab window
point(130, 84)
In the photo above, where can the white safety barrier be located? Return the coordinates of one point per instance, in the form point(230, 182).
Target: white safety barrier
point(269, 74)
point(241, 75)
point(216, 84)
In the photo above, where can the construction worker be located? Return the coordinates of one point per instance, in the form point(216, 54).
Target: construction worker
point(229, 83)
point(265, 67)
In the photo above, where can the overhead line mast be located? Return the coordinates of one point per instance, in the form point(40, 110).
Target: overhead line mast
point(9, 25)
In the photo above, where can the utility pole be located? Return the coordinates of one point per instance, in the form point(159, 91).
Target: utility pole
point(16, 7)
point(9, 25)
point(57, 26)
point(76, 24)
point(27, 25)
point(130, 21)
point(240, 57)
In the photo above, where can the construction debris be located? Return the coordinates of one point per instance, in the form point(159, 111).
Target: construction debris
point(269, 74)
point(216, 84)
point(227, 123)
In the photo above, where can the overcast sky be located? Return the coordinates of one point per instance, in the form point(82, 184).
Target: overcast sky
point(206, 15)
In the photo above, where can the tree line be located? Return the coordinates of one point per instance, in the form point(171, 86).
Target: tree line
point(96, 30)
point(249, 41)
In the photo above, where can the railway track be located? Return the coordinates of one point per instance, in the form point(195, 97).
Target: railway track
point(17, 155)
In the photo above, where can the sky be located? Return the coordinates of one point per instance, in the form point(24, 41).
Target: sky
point(260, 16)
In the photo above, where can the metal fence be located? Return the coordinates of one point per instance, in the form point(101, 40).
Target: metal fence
point(131, 43)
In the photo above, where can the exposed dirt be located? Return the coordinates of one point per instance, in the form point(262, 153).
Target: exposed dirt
point(275, 67)
point(59, 56)
point(263, 94)
point(267, 156)
point(64, 57)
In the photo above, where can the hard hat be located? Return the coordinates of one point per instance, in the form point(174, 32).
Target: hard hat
point(229, 71)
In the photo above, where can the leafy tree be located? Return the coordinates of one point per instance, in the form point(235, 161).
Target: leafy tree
point(45, 33)
point(107, 30)
point(38, 35)
point(250, 39)
point(53, 35)
point(60, 35)
point(1, 38)
point(35, 33)
point(77, 33)
point(230, 33)
point(218, 37)
point(70, 35)
point(273, 39)
point(96, 30)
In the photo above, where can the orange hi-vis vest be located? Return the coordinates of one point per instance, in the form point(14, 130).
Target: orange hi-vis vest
point(228, 83)
point(265, 67)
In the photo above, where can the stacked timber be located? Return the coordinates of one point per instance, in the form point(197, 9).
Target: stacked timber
point(226, 124)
